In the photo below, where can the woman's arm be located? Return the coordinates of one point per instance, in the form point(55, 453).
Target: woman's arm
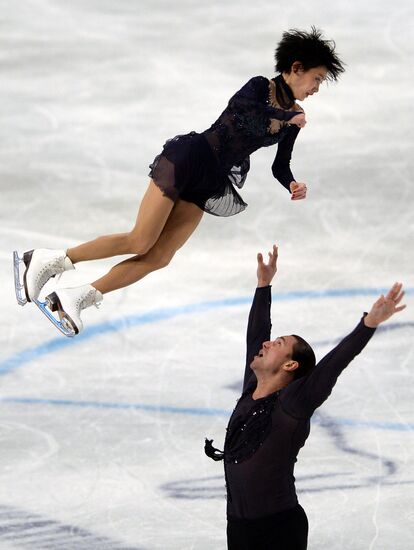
point(281, 165)
point(253, 99)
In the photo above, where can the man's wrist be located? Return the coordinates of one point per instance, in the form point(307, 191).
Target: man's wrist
point(369, 322)
point(263, 284)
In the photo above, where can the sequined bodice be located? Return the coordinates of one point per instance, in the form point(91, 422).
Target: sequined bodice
point(256, 116)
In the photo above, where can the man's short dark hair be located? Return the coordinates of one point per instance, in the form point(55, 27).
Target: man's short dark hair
point(310, 49)
point(304, 355)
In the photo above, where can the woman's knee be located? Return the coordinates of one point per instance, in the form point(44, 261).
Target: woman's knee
point(138, 244)
point(160, 258)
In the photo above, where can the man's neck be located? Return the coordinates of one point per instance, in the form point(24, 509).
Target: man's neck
point(267, 386)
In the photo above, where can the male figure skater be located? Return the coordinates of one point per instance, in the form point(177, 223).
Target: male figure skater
point(271, 422)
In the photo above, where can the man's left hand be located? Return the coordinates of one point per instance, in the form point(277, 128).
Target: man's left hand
point(385, 306)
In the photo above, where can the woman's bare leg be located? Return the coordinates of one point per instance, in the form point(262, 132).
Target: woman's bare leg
point(152, 216)
point(180, 225)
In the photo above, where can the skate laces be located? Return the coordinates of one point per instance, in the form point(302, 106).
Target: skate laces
point(88, 299)
point(50, 269)
point(97, 302)
point(65, 268)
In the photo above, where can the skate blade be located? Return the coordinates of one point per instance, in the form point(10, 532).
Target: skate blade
point(18, 284)
point(63, 324)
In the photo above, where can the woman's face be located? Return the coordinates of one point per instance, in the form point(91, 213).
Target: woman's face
point(305, 83)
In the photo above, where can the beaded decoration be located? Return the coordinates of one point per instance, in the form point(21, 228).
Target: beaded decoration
point(276, 125)
point(247, 434)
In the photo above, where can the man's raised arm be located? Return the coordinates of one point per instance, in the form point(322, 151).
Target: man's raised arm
point(306, 394)
point(259, 325)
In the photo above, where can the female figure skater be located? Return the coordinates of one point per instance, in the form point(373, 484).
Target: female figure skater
point(194, 173)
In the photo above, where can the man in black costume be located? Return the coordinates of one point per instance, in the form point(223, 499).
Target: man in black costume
point(271, 422)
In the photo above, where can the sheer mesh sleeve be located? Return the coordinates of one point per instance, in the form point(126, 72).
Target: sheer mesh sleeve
point(250, 106)
point(256, 116)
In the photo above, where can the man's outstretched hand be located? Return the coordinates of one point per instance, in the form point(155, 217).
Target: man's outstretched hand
point(385, 306)
point(266, 272)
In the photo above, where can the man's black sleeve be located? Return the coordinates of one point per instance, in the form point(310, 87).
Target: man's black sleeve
point(258, 328)
point(303, 396)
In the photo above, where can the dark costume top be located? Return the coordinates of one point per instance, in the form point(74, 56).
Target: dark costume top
point(264, 436)
point(204, 168)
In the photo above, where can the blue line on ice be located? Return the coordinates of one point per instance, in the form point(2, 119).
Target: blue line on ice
point(192, 411)
point(117, 325)
point(124, 323)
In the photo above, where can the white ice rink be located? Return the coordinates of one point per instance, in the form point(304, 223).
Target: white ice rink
point(101, 437)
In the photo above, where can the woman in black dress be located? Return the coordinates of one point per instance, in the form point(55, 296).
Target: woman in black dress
point(197, 173)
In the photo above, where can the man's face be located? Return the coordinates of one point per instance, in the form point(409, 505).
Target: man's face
point(273, 354)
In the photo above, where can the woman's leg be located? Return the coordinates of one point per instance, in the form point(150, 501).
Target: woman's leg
point(181, 223)
point(152, 216)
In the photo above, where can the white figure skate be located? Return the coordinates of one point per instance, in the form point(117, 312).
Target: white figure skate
point(41, 265)
point(68, 303)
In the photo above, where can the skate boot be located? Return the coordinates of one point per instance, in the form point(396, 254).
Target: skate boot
point(68, 303)
point(41, 264)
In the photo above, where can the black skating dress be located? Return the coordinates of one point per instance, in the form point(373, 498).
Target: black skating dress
point(204, 168)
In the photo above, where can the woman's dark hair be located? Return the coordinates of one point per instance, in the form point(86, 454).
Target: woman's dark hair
point(304, 355)
point(310, 49)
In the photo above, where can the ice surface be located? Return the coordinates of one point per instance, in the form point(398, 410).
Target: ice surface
point(102, 436)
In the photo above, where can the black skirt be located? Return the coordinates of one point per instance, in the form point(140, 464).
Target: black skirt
point(187, 169)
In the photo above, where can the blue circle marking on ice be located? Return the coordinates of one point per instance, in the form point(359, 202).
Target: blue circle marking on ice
point(192, 411)
point(163, 314)
point(117, 325)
